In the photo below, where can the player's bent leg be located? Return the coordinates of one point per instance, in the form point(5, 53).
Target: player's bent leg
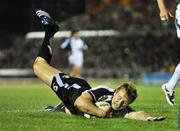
point(41, 66)
point(44, 71)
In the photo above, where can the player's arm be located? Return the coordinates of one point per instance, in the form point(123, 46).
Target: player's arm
point(85, 104)
point(65, 44)
point(83, 46)
point(141, 115)
point(165, 14)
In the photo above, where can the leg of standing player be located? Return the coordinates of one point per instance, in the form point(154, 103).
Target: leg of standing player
point(77, 63)
point(41, 66)
point(76, 71)
point(169, 87)
point(171, 84)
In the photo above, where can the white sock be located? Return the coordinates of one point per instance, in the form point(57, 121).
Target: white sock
point(171, 84)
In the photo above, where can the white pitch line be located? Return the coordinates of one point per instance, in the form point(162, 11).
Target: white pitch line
point(16, 111)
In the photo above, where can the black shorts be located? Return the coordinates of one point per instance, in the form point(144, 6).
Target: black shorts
point(68, 89)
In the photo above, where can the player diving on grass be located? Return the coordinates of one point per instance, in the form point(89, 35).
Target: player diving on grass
point(76, 94)
point(169, 87)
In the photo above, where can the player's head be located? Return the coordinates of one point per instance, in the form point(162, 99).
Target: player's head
point(75, 33)
point(124, 95)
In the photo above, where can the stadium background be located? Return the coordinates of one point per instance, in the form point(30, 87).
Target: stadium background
point(144, 46)
point(145, 50)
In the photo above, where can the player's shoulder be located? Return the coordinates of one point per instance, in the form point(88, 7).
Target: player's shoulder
point(104, 87)
point(100, 91)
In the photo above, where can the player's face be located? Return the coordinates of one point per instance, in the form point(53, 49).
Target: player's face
point(120, 100)
point(76, 35)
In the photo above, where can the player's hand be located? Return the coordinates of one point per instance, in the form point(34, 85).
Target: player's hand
point(106, 112)
point(166, 15)
point(157, 118)
point(109, 112)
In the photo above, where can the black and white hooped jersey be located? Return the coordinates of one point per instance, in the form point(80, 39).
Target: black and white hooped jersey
point(105, 93)
point(68, 89)
point(101, 93)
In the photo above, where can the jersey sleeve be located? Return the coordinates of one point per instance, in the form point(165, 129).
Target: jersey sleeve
point(100, 91)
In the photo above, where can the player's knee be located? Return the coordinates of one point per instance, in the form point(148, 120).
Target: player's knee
point(37, 65)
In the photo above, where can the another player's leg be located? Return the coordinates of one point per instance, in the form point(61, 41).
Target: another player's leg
point(76, 71)
point(41, 66)
point(77, 65)
point(169, 87)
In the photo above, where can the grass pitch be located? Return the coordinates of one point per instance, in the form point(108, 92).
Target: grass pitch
point(21, 110)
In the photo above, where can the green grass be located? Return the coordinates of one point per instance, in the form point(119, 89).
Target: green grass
point(21, 110)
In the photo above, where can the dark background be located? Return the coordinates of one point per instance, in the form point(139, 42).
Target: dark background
point(145, 44)
point(17, 15)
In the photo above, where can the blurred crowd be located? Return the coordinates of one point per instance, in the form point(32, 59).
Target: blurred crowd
point(124, 15)
point(149, 45)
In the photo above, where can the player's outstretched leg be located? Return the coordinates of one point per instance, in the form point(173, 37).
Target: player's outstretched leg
point(41, 66)
point(169, 87)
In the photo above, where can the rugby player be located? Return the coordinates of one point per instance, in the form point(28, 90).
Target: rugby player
point(76, 47)
point(76, 94)
point(169, 87)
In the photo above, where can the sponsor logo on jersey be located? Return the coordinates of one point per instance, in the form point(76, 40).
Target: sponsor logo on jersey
point(65, 76)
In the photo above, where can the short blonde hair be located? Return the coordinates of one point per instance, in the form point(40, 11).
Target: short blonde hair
point(130, 90)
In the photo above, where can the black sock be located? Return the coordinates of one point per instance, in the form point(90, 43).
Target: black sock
point(46, 50)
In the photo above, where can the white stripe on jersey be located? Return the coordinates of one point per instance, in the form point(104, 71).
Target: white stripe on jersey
point(106, 98)
point(50, 49)
point(105, 87)
point(59, 81)
point(93, 96)
point(100, 91)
